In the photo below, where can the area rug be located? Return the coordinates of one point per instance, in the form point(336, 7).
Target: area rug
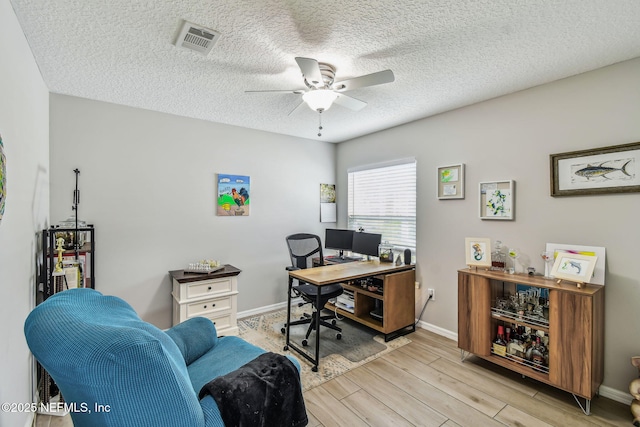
point(357, 346)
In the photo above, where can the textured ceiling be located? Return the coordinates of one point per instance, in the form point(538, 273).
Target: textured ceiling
point(445, 54)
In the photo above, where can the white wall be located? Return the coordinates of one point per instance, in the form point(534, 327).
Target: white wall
point(24, 126)
point(147, 183)
point(511, 138)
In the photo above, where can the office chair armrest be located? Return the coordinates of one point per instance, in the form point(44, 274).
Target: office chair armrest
point(292, 268)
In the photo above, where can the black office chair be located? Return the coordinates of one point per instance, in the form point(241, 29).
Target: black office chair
point(303, 247)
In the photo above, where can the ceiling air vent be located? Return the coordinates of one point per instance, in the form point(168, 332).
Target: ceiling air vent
point(195, 37)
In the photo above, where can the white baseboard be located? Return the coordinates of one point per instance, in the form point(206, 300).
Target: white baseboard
point(265, 309)
point(438, 330)
point(617, 395)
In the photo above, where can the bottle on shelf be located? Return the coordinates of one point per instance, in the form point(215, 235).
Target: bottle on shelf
point(498, 258)
point(538, 354)
point(515, 345)
point(499, 344)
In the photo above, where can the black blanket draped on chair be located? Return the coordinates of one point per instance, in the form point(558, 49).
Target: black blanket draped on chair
point(264, 392)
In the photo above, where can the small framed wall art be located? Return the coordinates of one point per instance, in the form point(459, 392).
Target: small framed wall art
point(451, 182)
point(478, 251)
point(497, 200)
point(574, 267)
point(233, 195)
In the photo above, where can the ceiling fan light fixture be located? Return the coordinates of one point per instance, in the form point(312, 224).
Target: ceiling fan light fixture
point(319, 99)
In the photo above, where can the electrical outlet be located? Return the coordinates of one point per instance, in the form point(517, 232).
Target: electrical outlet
point(417, 285)
point(432, 293)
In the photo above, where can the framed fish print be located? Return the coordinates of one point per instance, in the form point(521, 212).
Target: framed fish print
point(599, 274)
point(614, 169)
point(574, 267)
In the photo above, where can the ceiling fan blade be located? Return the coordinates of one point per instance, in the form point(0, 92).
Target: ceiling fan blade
point(297, 107)
point(372, 79)
point(350, 102)
point(296, 91)
point(311, 70)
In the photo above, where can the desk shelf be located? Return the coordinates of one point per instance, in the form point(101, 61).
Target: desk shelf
point(397, 301)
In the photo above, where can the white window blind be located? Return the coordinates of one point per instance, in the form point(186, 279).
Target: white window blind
point(383, 200)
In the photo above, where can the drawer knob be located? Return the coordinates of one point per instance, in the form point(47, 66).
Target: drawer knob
point(209, 288)
point(212, 305)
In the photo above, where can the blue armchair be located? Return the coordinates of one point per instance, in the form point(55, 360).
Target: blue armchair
point(122, 371)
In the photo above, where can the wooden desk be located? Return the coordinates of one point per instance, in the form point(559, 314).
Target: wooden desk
point(398, 297)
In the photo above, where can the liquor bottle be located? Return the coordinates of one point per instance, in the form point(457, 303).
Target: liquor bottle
point(498, 258)
point(538, 355)
point(499, 344)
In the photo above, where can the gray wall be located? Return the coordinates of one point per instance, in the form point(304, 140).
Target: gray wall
point(148, 184)
point(24, 126)
point(511, 138)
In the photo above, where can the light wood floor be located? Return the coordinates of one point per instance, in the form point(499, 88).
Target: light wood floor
point(425, 384)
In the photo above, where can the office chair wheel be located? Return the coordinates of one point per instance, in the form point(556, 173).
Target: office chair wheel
point(305, 343)
point(283, 330)
point(338, 336)
point(286, 347)
point(333, 322)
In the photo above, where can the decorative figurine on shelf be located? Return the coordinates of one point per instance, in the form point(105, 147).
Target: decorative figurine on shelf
point(204, 266)
point(59, 245)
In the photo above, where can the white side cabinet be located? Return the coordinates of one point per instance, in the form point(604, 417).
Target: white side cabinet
point(207, 295)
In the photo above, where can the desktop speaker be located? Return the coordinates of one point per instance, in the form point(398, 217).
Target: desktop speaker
point(407, 256)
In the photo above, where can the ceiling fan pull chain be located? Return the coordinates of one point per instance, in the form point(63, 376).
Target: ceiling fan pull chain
point(320, 122)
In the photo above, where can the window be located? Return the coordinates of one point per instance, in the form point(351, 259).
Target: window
point(382, 199)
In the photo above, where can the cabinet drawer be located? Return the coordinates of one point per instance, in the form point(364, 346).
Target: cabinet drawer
point(207, 307)
point(208, 287)
point(222, 322)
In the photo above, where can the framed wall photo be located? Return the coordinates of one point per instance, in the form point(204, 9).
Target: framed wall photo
point(478, 251)
point(451, 182)
point(233, 195)
point(497, 200)
point(613, 169)
point(574, 267)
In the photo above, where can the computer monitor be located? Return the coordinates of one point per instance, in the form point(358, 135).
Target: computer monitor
point(366, 243)
point(337, 239)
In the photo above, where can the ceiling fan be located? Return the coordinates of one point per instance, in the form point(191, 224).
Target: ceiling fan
point(322, 91)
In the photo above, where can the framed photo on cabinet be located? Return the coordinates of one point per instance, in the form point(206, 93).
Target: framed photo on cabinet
point(451, 182)
point(574, 267)
point(477, 251)
point(497, 200)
